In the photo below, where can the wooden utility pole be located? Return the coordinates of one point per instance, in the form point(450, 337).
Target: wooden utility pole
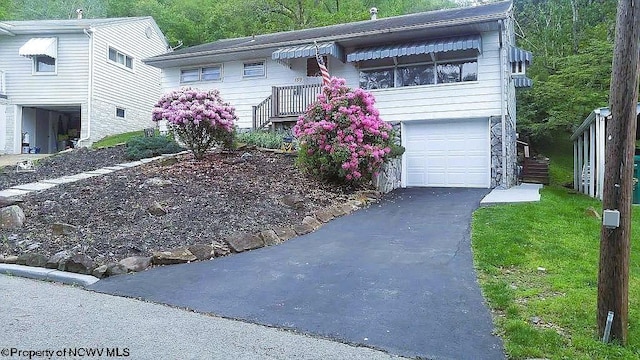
point(613, 276)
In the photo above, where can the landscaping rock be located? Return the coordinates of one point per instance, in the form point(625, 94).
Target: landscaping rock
point(4, 201)
point(244, 242)
point(293, 201)
point(80, 263)
point(12, 259)
point(355, 204)
point(33, 246)
point(201, 251)
point(100, 272)
point(303, 229)
point(246, 156)
point(156, 209)
point(175, 256)
point(311, 221)
point(285, 233)
point(324, 216)
point(337, 211)
point(63, 229)
point(116, 269)
point(33, 259)
point(58, 259)
point(156, 182)
point(136, 263)
point(269, 237)
point(347, 208)
point(220, 248)
point(11, 217)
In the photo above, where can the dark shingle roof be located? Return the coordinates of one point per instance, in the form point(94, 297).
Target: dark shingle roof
point(431, 19)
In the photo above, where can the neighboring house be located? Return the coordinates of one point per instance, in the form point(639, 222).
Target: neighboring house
point(66, 83)
point(445, 78)
point(589, 143)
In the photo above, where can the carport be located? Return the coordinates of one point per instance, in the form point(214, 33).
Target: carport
point(48, 128)
point(589, 143)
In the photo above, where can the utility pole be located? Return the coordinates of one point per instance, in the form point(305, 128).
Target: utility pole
point(613, 276)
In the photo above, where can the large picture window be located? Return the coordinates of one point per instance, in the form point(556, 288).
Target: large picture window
point(419, 74)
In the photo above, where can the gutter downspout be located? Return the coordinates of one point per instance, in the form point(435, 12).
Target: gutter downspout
point(89, 32)
point(503, 180)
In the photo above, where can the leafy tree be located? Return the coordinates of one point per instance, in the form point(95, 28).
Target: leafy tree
point(55, 9)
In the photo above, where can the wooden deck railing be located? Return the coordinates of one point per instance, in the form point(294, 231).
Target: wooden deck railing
point(285, 101)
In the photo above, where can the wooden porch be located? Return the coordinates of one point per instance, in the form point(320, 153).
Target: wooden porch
point(284, 105)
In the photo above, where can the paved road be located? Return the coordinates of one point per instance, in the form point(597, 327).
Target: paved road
point(37, 315)
point(397, 276)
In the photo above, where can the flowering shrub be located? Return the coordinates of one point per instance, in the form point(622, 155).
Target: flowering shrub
point(342, 136)
point(200, 119)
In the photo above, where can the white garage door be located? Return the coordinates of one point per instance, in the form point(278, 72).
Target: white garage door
point(447, 154)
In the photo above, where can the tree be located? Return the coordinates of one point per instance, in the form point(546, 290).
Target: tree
point(56, 9)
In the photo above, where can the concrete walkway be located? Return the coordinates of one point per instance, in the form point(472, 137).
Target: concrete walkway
point(13, 159)
point(397, 276)
point(524, 192)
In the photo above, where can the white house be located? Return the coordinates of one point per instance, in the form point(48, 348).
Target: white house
point(71, 82)
point(446, 78)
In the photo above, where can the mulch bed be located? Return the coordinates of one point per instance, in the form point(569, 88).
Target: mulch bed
point(205, 202)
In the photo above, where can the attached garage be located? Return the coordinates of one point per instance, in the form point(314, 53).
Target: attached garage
point(452, 153)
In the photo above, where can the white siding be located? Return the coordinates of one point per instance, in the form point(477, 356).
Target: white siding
point(135, 90)
point(446, 101)
point(3, 126)
point(69, 85)
point(244, 93)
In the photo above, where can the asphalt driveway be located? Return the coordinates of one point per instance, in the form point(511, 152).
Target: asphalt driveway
point(397, 276)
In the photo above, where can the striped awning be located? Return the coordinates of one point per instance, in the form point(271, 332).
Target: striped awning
point(40, 46)
point(309, 50)
point(472, 42)
point(522, 82)
point(519, 55)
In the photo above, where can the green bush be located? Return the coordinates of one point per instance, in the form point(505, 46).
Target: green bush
point(263, 139)
point(141, 147)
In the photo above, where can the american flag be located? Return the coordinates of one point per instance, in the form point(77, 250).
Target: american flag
point(326, 79)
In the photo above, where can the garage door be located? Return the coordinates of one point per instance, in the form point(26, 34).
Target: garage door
point(447, 154)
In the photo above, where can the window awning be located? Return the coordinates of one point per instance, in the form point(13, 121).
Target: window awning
point(471, 42)
point(519, 55)
point(307, 51)
point(40, 46)
point(522, 82)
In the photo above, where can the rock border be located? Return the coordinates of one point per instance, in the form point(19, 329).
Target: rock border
point(82, 264)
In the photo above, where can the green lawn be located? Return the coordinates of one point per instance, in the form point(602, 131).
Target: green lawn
point(113, 140)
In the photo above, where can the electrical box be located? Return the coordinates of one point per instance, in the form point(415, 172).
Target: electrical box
point(611, 219)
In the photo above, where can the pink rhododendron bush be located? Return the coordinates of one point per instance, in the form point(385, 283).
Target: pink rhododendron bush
point(200, 119)
point(342, 137)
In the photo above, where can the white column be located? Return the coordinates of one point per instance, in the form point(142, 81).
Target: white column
point(602, 141)
point(580, 161)
point(576, 167)
point(592, 160)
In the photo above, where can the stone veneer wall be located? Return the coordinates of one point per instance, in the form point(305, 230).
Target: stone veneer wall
point(104, 121)
point(497, 172)
point(389, 177)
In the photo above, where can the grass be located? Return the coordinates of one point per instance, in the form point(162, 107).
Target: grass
point(113, 140)
point(510, 244)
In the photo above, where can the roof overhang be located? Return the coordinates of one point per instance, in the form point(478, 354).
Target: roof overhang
point(353, 40)
point(308, 51)
point(599, 112)
point(471, 42)
point(40, 46)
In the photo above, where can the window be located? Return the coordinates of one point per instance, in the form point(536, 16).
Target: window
point(120, 58)
point(253, 69)
point(518, 68)
point(313, 69)
point(44, 64)
point(418, 74)
point(209, 73)
point(120, 112)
